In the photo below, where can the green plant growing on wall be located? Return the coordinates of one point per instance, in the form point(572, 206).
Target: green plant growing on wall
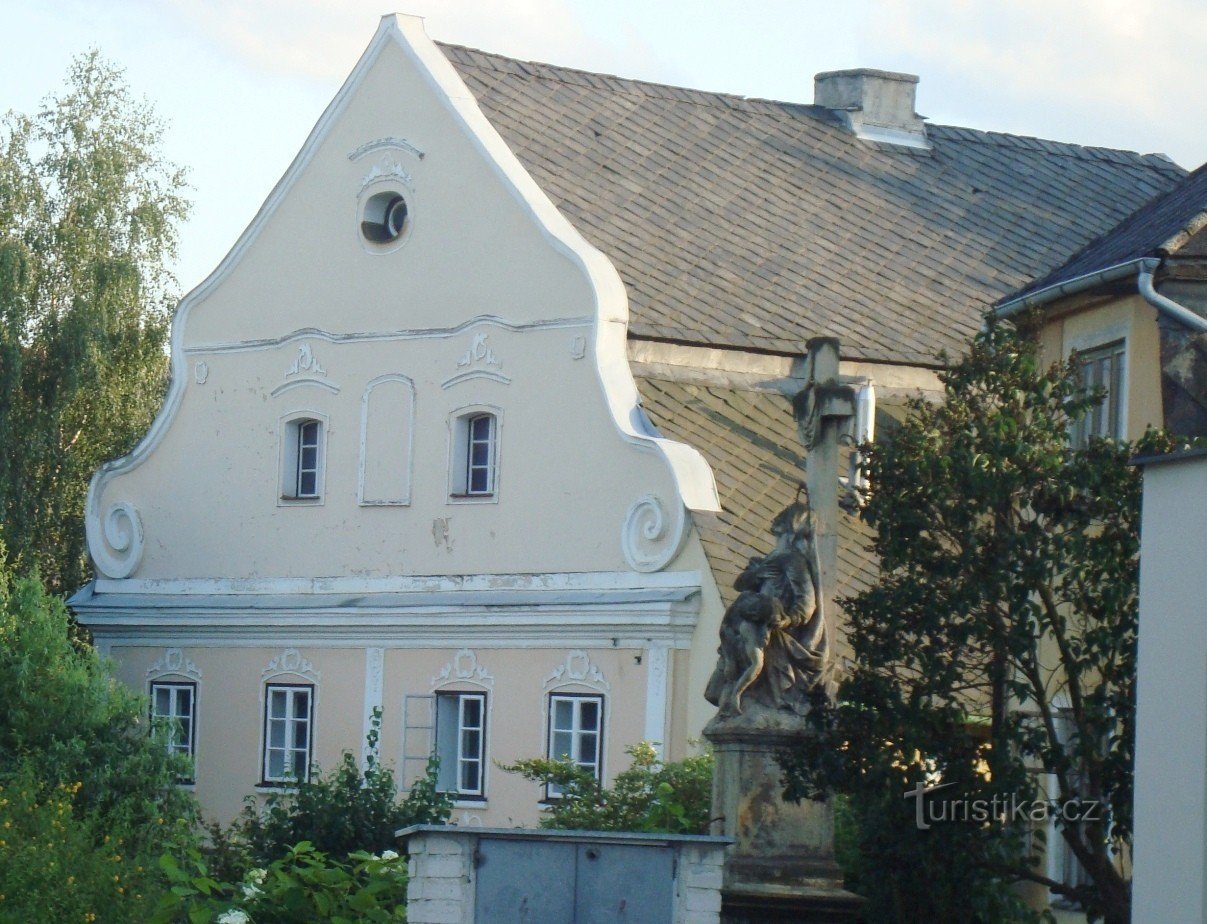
point(88, 216)
point(650, 795)
point(998, 644)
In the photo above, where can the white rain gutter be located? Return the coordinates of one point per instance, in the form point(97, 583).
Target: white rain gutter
point(1143, 268)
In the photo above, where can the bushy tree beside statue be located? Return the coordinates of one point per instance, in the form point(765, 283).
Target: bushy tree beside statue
point(88, 216)
point(996, 653)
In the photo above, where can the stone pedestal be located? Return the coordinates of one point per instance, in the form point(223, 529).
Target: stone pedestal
point(781, 865)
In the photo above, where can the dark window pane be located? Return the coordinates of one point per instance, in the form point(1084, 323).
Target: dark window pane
point(590, 714)
point(478, 481)
point(473, 712)
point(276, 764)
point(469, 777)
point(277, 704)
point(308, 484)
point(480, 454)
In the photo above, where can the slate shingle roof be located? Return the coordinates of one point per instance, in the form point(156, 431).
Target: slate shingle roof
point(758, 224)
point(749, 438)
point(1141, 234)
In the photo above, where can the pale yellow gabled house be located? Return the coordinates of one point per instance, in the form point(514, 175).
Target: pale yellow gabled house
point(478, 420)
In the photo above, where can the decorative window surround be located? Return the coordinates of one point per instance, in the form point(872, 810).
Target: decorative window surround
point(578, 668)
point(290, 661)
point(464, 667)
point(173, 661)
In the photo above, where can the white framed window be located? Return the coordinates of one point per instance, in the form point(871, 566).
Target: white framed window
point(1102, 367)
point(175, 705)
point(303, 448)
point(461, 743)
point(288, 732)
point(474, 469)
point(576, 732)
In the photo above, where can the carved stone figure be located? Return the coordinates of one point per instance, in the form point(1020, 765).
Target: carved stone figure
point(774, 647)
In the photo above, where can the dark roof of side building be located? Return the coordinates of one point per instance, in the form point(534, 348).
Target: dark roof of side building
point(754, 224)
point(749, 438)
point(1163, 224)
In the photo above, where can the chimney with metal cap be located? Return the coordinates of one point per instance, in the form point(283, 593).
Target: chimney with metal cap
point(876, 105)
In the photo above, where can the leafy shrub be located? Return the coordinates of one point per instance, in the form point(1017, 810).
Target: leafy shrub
point(340, 811)
point(56, 865)
point(303, 885)
point(650, 795)
point(67, 720)
point(87, 794)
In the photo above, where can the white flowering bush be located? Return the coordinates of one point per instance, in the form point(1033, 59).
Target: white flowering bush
point(304, 885)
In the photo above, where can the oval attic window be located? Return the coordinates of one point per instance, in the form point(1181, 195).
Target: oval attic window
point(384, 218)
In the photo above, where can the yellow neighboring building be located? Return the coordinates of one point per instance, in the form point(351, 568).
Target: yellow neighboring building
point(1130, 310)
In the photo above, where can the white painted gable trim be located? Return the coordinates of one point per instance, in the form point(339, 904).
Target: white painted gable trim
point(693, 476)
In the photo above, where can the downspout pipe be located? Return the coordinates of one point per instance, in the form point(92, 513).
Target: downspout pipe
point(1143, 268)
point(1167, 306)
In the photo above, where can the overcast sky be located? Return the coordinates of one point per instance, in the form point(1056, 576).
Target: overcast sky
point(241, 82)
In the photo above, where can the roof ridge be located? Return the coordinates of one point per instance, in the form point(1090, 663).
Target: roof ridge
point(472, 56)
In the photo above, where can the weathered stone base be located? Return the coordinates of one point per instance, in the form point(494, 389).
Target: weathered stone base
point(771, 904)
point(781, 865)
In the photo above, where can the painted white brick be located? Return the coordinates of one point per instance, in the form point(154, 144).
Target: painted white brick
point(446, 867)
point(702, 900)
point(441, 846)
point(434, 911)
point(425, 888)
point(699, 876)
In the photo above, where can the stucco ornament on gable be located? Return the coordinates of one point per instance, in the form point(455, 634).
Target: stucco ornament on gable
point(173, 661)
point(115, 541)
point(290, 661)
point(578, 668)
point(465, 667)
point(651, 537)
point(388, 169)
point(480, 362)
point(306, 361)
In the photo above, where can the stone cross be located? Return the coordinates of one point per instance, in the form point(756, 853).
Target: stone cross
point(825, 410)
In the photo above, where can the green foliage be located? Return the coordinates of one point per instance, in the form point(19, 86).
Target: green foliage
point(60, 864)
point(305, 885)
point(342, 810)
point(649, 796)
point(88, 214)
point(67, 720)
point(87, 794)
point(1008, 589)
